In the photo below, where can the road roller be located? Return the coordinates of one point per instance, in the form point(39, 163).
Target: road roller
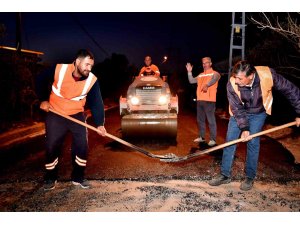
point(149, 109)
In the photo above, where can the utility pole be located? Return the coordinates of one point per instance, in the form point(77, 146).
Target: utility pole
point(18, 32)
point(237, 40)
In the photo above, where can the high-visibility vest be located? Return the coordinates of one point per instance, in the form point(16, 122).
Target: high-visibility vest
point(211, 94)
point(266, 84)
point(149, 70)
point(69, 96)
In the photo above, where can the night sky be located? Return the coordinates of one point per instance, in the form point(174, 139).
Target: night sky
point(188, 36)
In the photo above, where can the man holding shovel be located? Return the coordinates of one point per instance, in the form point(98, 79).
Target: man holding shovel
point(249, 92)
point(73, 86)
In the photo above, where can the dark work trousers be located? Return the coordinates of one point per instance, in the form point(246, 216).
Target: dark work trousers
point(206, 110)
point(56, 130)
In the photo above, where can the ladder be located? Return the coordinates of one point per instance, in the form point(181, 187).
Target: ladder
point(237, 40)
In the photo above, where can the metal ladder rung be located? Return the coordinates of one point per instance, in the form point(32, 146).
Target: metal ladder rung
point(237, 47)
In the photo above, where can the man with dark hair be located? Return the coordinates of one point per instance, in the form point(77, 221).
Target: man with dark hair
point(74, 85)
point(82, 53)
point(249, 93)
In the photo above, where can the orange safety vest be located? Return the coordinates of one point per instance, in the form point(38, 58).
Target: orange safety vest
point(211, 94)
point(149, 70)
point(266, 84)
point(69, 96)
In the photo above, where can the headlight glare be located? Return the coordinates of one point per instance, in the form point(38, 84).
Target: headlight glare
point(162, 100)
point(134, 100)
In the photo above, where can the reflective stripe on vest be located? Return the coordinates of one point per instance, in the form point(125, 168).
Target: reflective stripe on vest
point(205, 75)
point(61, 76)
point(266, 84)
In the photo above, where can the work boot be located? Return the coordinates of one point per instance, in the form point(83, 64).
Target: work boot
point(211, 143)
point(220, 179)
point(247, 184)
point(49, 185)
point(83, 184)
point(199, 140)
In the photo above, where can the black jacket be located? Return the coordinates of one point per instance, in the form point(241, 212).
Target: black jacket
point(252, 98)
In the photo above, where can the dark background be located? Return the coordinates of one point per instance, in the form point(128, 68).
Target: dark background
point(120, 41)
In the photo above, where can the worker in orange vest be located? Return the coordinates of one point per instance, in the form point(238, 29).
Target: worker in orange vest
point(149, 68)
point(207, 84)
point(74, 85)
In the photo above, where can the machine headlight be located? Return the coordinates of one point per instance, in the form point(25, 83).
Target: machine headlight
point(162, 100)
point(134, 100)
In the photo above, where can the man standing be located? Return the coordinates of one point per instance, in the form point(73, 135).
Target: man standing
point(149, 68)
point(207, 84)
point(249, 93)
point(73, 86)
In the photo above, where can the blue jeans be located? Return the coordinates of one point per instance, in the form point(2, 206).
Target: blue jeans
point(256, 122)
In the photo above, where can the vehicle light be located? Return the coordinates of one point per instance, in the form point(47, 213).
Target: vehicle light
point(134, 100)
point(162, 100)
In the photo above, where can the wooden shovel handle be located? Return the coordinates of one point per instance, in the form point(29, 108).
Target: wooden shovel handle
point(242, 139)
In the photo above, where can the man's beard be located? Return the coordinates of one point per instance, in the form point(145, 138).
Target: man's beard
point(84, 73)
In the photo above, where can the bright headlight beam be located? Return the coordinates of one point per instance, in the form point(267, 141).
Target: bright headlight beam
point(162, 100)
point(134, 101)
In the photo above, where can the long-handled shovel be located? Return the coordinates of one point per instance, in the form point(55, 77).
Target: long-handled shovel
point(178, 159)
point(168, 156)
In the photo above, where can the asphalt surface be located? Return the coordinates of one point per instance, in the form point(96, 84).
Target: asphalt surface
point(111, 160)
point(127, 180)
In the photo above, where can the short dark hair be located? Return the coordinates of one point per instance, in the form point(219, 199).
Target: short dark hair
point(82, 53)
point(243, 66)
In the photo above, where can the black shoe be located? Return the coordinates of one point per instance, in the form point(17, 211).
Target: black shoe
point(221, 179)
point(83, 184)
point(49, 185)
point(247, 184)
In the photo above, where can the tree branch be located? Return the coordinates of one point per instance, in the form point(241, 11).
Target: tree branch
point(289, 29)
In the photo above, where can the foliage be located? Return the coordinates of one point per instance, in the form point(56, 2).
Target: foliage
point(273, 40)
point(16, 90)
point(287, 26)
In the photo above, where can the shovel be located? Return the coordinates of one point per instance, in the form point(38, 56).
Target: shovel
point(170, 157)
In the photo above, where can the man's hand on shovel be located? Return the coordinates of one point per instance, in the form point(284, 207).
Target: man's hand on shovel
point(246, 136)
point(45, 105)
point(297, 121)
point(101, 130)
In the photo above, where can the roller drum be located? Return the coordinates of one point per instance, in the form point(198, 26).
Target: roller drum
point(164, 127)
